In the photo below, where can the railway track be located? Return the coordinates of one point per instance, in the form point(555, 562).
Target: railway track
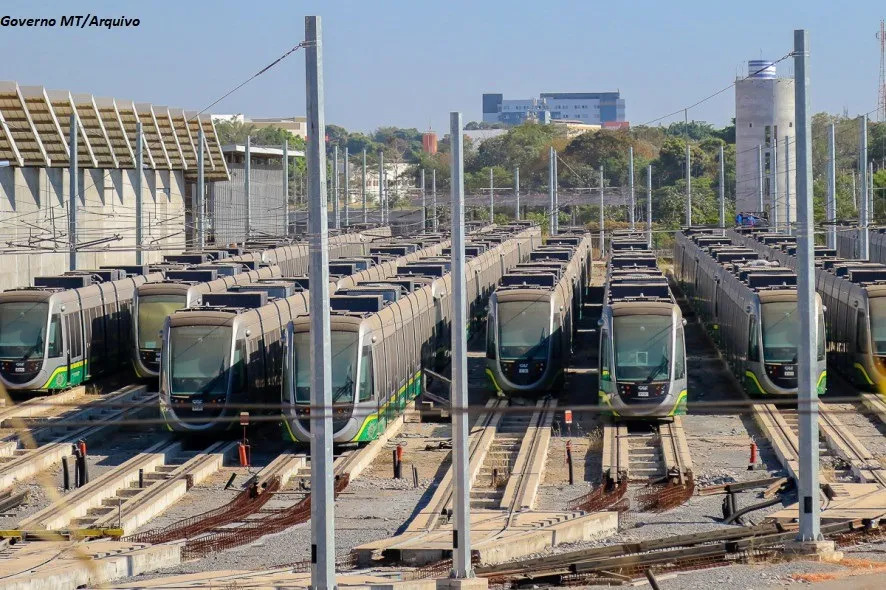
point(646, 452)
point(24, 456)
point(836, 441)
point(135, 491)
point(507, 451)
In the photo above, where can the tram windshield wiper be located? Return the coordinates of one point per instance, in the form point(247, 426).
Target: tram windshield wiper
point(662, 366)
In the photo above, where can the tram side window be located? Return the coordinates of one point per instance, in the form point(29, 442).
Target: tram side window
point(604, 357)
point(861, 333)
point(680, 356)
point(753, 344)
point(490, 335)
point(238, 366)
point(366, 374)
point(55, 337)
point(75, 342)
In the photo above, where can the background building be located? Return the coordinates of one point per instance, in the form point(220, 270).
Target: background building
point(764, 115)
point(35, 191)
point(295, 125)
point(594, 108)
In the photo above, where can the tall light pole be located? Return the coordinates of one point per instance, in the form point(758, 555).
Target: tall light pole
point(461, 551)
point(831, 204)
point(201, 190)
point(381, 185)
point(285, 188)
point(722, 189)
point(491, 196)
point(807, 398)
point(633, 205)
point(760, 179)
point(365, 211)
point(517, 193)
point(322, 488)
point(688, 173)
point(551, 211)
point(424, 209)
point(434, 197)
point(787, 183)
point(649, 206)
point(347, 192)
point(139, 187)
point(247, 197)
point(602, 219)
point(335, 212)
point(864, 214)
point(74, 188)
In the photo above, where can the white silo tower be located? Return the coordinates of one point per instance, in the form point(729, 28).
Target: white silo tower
point(764, 115)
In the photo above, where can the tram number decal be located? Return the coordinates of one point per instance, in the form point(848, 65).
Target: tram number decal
point(523, 369)
point(642, 391)
point(197, 405)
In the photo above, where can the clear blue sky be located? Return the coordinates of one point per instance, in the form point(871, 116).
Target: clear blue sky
point(408, 63)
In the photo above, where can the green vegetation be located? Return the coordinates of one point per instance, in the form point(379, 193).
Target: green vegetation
point(662, 147)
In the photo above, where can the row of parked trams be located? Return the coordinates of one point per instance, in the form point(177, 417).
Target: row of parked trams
point(227, 330)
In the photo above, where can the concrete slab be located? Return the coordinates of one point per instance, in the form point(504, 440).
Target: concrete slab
point(496, 536)
point(278, 578)
point(68, 565)
point(853, 501)
point(462, 584)
point(812, 550)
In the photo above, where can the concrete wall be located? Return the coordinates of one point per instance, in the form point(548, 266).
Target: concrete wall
point(762, 103)
point(34, 210)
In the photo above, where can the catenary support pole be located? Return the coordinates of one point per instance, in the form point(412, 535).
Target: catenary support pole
point(491, 196)
point(139, 189)
point(424, 208)
point(787, 184)
point(722, 188)
point(633, 204)
point(551, 212)
point(381, 185)
point(602, 219)
point(322, 514)
point(517, 193)
point(434, 198)
point(247, 169)
point(649, 206)
point(461, 551)
point(286, 188)
point(346, 174)
point(201, 192)
point(864, 214)
point(760, 179)
point(831, 203)
point(336, 220)
point(365, 211)
point(556, 196)
point(72, 207)
point(773, 184)
point(688, 173)
point(807, 397)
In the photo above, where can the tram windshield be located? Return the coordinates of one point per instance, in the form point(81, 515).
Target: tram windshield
point(781, 331)
point(199, 358)
point(642, 347)
point(22, 329)
point(878, 324)
point(152, 312)
point(343, 347)
point(524, 329)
